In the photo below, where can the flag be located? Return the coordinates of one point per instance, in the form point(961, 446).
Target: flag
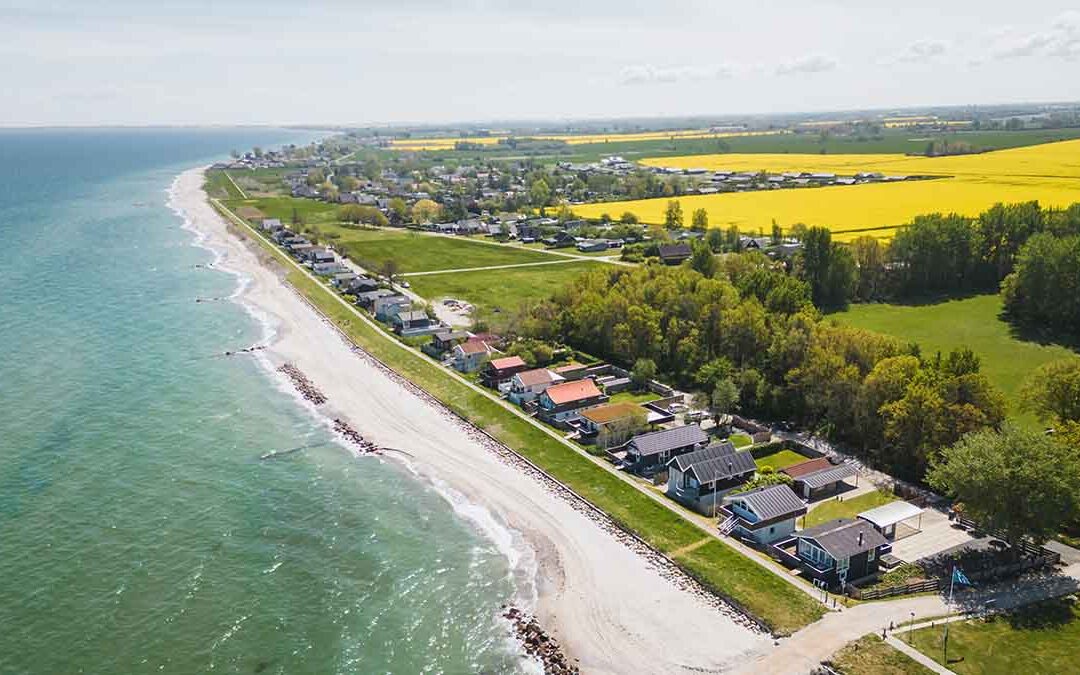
point(959, 577)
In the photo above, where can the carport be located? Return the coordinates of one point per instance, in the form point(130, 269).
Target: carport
point(890, 519)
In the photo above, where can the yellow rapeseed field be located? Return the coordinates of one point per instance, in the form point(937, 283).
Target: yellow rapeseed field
point(417, 144)
point(966, 184)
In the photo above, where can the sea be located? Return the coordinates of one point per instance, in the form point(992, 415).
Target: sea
point(140, 532)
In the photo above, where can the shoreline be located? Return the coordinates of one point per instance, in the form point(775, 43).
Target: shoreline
point(611, 607)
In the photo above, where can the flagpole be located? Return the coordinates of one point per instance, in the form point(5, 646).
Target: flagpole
point(948, 607)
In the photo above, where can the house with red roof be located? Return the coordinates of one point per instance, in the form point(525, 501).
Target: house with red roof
point(562, 401)
point(498, 372)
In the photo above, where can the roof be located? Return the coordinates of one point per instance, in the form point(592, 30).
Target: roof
point(810, 466)
point(718, 461)
point(529, 378)
point(841, 537)
point(415, 315)
point(890, 514)
point(570, 367)
point(568, 392)
point(675, 250)
point(446, 335)
point(613, 411)
point(508, 362)
point(825, 477)
point(474, 347)
point(669, 439)
point(771, 501)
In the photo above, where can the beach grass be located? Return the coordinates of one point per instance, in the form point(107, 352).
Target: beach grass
point(870, 655)
point(846, 508)
point(1040, 638)
point(774, 601)
point(780, 459)
point(975, 322)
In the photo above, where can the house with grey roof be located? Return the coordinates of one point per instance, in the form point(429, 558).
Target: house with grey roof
point(765, 514)
point(387, 306)
point(648, 453)
point(700, 478)
point(412, 323)
point(841, 551)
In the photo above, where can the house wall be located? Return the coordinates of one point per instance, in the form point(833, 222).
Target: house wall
point(769, 534)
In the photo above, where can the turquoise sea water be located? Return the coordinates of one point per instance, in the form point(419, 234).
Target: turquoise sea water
point(139, 531)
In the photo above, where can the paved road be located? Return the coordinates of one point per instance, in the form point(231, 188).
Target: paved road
point(817, 642)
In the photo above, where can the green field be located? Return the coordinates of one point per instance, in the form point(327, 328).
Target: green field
point(310, 211)
point(846, 508)
point(500, 290)
point(634, 397)
point(870, 655)
point(780, 459)
point(783, 607)
point(415, 252)
point(1042, 638)
point(741, 440)
point(973, 322)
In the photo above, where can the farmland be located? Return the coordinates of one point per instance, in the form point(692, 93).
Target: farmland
point(972, 322)
point(966, 184)
point(448, 143)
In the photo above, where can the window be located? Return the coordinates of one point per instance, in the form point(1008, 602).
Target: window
point(871, 554)
point(772, 530)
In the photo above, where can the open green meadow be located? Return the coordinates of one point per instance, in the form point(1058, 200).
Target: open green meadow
point(499, 290)
point(1041, 638)
point(309, 211)
point(975, 322)
point(870, 655)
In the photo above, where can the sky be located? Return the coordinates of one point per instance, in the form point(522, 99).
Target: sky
point(118, 62)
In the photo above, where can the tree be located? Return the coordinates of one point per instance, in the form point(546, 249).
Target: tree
point(700, 220)
point(1052, 392)
point(425, 211)
point(399, 211)
point(870, 258)
point(619, 431)
point(1023, 483)
point(703, 260)
point(389, 269)
point(1044, 289)
point(539, 193)
point(766, 477)
point(628, 218)
point(715, 239)
point(777, 234)
point(644, 370)
point(725, 397)
point(673, 216)
point(828, 267)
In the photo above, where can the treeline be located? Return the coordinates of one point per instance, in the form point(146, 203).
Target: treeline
point(752, 328)
point(1044, 289)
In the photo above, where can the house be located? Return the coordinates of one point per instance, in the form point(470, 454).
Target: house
point(471, 355)
point(362, 285)
point(445, 340)
point(366, 299)
point(560, 239)
point(819, 477)
point(699, 478)
point(612, 424)
point(562, 401)
point(592, 245)
point(414, 322)
point(317, 255)
point(272, 225)
point(528, 384)
point(765, 514)
point(675, 254)
point(572, 371)
point(387, 306)
point(343, 279)
point(840, 551)
point(648, 453)
point(327, 268)
point(499, 371)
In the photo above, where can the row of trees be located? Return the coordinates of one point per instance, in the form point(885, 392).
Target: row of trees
point(750, 335)
point(1044, 290)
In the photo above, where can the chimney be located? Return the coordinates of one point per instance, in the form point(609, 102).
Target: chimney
point(860, 538)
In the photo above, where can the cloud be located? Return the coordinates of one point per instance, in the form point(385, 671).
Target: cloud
point(806, 64)
point(650, 74)
point(923, 50)
point(1061, 39)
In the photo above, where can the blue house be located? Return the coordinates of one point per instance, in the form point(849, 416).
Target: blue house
point(765, 514)
point(699, 478)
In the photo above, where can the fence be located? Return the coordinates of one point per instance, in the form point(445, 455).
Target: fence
point(889, 591)
point(1023, 545)
point(936, 584)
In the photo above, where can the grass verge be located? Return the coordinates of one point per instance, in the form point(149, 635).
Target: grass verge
point(870, 655)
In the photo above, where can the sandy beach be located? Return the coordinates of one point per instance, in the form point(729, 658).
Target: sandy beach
point(613, 609)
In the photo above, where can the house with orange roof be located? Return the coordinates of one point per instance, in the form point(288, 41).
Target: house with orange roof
point(498, 371)
point(612, 424)
point(563, 401)
point(528, 384)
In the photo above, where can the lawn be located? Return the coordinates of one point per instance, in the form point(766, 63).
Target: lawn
point(415, 252)
point(1042, 638)
point(784, 608)
point(973, 322)
point(634, 397)
point(310, 211)
point(846, 508)
point(499, 290)
point(740, 440)
point(870, 655)
point(779, 459)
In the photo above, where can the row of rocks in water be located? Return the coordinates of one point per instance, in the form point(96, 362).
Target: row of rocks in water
point(537, 643)
point(303, 385)
point(353, 436)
